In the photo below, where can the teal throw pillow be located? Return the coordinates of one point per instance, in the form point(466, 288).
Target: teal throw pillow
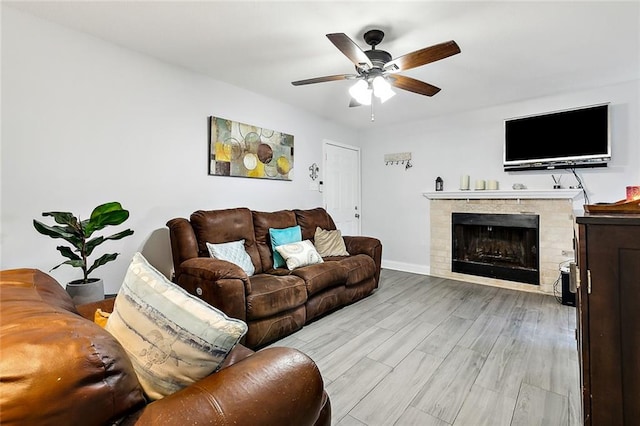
point(280, 237)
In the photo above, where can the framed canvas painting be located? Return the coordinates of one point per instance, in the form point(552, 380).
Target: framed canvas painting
point(242, 150)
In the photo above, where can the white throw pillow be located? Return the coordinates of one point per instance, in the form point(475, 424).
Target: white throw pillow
point(172, 338)
point(299, 254)
point(233, 252)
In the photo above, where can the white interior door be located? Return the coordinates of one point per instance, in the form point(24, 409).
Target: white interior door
point(341, 179)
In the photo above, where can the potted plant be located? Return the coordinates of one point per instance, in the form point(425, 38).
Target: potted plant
point(79, 234)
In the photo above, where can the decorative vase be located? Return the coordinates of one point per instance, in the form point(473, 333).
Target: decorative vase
point(81, 293)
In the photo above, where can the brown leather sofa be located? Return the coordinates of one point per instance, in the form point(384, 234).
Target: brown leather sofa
point(273, 302)
point(58, 368)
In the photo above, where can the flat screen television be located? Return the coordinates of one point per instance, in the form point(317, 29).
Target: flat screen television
point(572, 138)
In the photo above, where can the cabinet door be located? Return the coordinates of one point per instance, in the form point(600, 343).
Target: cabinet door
point(613, 262)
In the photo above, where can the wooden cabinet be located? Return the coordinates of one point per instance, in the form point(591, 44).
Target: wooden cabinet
point(609, 319)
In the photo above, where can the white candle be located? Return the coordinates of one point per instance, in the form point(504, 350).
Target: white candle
point(492, 185)
point(480, 184)
point(464, 182)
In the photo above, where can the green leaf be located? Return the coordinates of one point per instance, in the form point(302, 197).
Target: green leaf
point(63, 218)
point(92, 244)
point(74, 263)
point(119, 235)
point(68, 253)
point(65, 232)
point(105, 258)
point(106, 214)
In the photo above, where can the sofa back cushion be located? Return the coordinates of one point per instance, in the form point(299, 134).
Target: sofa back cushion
point(262, 221)
point(312, 218)
point(223, 226)
point(71, 369)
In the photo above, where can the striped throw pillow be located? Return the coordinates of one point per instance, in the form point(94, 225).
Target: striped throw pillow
point(172, 338)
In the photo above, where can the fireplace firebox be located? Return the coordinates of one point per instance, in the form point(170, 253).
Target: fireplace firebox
point(503, 246)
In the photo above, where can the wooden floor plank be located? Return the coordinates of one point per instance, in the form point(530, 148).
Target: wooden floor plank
point(347, 355)
point(347, 390)
point(390, 398)
point(445, 336)
point(398, 346)
point(484, 407)
point(414, 417)
point(448, 387)
point(538, 407)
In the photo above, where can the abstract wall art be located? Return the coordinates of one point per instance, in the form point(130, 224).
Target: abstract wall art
point(242, 150)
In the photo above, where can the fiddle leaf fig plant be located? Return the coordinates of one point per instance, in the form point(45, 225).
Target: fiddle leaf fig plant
point(78, 233)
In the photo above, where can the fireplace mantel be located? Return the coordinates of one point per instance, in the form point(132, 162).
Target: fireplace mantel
point(520, 194)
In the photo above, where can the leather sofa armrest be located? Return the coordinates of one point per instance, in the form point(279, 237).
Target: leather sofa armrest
point(366, 245)
point(361, 245)
point(219, 283)
point(275, 386)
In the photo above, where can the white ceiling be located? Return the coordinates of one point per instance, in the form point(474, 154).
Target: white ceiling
point(510, 50)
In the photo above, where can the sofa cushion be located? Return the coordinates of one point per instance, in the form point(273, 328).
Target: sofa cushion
point(266, 330)
point(233, 252)
point(223, 226)
point(172, 338)
point(310, 219)
point(280, 237)
point(359, 268)
point(322, 276)
point(325, 301)
point(330, 243)
point(299, 254)
point(273, 294)
point(262, 221)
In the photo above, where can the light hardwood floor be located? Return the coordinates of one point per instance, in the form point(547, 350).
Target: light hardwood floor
point(432, 351)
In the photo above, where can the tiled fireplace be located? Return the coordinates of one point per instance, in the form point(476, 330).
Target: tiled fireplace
point(551, 210)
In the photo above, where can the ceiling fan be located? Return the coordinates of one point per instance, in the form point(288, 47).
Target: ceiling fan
point(377, 71)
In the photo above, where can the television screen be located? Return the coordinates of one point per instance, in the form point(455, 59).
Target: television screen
point(562, 139)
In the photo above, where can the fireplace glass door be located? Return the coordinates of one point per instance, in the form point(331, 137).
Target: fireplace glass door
point(503, 246)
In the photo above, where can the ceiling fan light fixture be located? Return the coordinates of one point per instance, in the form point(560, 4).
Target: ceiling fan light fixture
point(382, 89)
point(361, 92)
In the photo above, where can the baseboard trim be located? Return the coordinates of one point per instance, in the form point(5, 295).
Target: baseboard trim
point(406, 267)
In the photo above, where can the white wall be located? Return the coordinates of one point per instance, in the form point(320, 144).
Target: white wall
point(471, 143)
point(85, 122)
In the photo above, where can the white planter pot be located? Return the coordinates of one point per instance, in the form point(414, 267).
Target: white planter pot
point(92, 291)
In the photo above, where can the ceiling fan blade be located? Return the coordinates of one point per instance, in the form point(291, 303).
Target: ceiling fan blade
point(323, 79)
point(413, 85)
point(423, 56)
point(351, 50)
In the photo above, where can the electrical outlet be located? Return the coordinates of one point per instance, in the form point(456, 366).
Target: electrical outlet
point(567, 253)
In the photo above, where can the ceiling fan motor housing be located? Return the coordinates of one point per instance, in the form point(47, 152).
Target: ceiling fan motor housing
point(378, 57)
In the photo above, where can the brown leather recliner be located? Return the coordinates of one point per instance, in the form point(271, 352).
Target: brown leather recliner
point(59, 368)
point(273, 302)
